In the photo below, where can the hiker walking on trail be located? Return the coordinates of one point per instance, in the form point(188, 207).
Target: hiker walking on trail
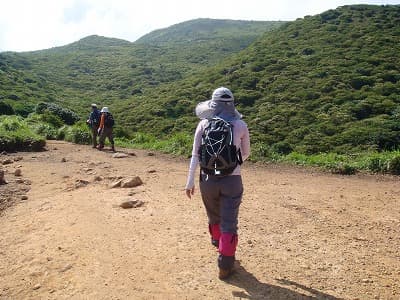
point(221, 143)
point(93, 122)
point(106, 128)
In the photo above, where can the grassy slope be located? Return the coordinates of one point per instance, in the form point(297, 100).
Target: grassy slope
point(110, 71)
point(324, 83)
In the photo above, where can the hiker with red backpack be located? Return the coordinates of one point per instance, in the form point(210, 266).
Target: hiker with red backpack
point(106, 128)
point(221, 144)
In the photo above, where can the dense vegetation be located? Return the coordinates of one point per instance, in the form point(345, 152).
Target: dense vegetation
point(327, 83)
point(322, 90)
point(111, 71)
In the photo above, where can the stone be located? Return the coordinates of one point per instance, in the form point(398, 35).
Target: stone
point(66, 268)
point(37, 286)
point(150, 154)
point(2, 179)
point(97, 178)
point(24, 197)
point(115, 184)
point(18, 158)
point(131, 204)
point(119, 155)
point(81, 183)
point(7, 161)
point(18, 172)
point(131, 182)
point(151, 171)
point(63, 159)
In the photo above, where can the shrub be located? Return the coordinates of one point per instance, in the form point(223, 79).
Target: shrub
point(120, 132)
point(68, 116)
point(16, 135)
point(6, 109)
point(343, 169)
point(394, 165)
point(52, 119)
point(78, 134)
point(282, 148)
point(375, 164)
point(47, 131)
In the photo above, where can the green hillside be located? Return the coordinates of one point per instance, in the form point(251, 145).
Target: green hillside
point(108, 71)
point(223, 34)
point(326, 83)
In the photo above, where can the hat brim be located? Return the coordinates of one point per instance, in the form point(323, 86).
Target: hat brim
point(206, 110)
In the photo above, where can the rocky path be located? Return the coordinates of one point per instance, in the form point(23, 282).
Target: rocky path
point(303, 234)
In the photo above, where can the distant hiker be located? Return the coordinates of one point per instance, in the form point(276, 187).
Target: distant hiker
point(93, 122)
point(221, 143)
point(106, 128)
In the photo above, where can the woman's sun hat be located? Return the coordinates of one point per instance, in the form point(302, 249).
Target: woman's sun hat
point(221, 105)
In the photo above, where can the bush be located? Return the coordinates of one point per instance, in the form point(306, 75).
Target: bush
point(282, 148)
point(68, 116)
point(47, 131)
point(394, 165)
point(120, 132)
point(375, 164)
point(343, 169)
point(78, 134)
point(6, 109)
point(179, 144)
point(16, 135)
point(51, 119)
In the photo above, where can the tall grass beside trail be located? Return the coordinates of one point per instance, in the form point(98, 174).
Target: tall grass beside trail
point(78, 133)
point(347, 164)
point(177, 144)
point(17, 135)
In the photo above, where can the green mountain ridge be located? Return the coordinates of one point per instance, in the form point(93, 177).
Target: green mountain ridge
point(324, 83)
point(200, 30)
point(107, 70)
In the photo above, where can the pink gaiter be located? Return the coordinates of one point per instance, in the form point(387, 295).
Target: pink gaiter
point(214, 231)
point(227, 244)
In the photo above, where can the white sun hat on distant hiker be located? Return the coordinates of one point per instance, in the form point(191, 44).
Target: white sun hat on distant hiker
point(105, 109)
point(221, 105)
point(93, 105)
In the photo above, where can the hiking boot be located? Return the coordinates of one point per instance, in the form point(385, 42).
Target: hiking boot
point(112, 148)
point(225, 273)
point(100, 147)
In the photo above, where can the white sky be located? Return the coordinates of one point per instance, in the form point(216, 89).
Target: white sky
point(27, 25)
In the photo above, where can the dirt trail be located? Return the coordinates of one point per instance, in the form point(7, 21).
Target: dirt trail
point(303, 234)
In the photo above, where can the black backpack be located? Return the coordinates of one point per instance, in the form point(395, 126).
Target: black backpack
point(218, 155)
point(109, 120)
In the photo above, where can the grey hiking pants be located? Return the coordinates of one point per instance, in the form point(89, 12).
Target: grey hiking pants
point(222, 197)
point(94, 135)
point(106, 132)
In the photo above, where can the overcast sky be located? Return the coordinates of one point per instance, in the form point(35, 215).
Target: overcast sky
point(27, 25)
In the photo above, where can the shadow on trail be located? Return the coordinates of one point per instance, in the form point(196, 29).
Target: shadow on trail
point(256, 289)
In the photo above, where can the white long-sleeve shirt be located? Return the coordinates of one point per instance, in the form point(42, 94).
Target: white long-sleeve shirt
point(241, 139)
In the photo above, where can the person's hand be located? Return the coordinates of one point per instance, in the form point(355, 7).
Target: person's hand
point(190, 192)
